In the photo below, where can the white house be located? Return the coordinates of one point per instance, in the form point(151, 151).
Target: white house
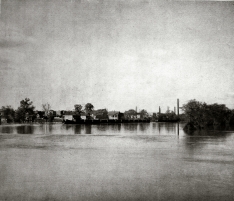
point(113, 115)
point(68, 117)
point(83, 117)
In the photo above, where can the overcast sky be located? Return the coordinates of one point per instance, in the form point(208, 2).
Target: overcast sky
point(116, 54)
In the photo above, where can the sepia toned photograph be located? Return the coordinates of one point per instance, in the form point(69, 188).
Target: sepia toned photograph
point(116, 100)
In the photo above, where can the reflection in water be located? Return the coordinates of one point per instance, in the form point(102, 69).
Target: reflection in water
point(167, 128)
point(115, 127)
point(144, 127)
point(153, 128)
point(130, 127)
point(77, 129)
point(210, 131)
point(211, 137)
point(6, 129)
point(88, 129)
point(50, 128)
point(103, 129)
point(26, 129)
point(178, 129)
point(171, 127)
point(159, 127)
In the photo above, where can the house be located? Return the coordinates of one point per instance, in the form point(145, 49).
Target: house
point(115, 115)
point(151, 115)
point(68, 115)
point(29, 117)
point(40, 113)
point(53, 113)
point(131, 114)
point(138, 115)
point(58, 113)
point(100, 114)
point(83, 117)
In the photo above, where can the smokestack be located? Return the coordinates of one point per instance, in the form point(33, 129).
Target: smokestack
point(136, 108)
point(159, 110)
point(175, 110)
point(178, 107)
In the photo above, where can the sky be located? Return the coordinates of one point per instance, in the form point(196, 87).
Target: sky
point(116, 54)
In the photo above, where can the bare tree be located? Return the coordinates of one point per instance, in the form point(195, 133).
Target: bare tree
point(46, 108)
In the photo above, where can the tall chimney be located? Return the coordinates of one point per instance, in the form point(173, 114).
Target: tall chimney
point(178, 107)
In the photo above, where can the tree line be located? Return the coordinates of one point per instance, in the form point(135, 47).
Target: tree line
point(200, 115)
point(25, 112)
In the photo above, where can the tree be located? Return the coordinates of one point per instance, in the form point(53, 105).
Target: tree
point(130, 112)
point(232, 117)
point(8, 113)
point(89, 108)
point(144, 114)
point(46, 108)
point(78, 109)
point(217, 114)
point(24, 110)
point(154, 117)
point(48, 113)
point(201, 114)
point(171, 115)
point(195, 113)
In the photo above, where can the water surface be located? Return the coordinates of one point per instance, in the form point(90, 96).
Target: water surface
point(148, 161)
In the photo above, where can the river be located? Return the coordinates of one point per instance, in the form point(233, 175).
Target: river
point(144, 161)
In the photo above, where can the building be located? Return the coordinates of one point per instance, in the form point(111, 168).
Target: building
point(131, 114)
point(100, 114)
point(58, 113)
point(83, 117)
point(138, 115)
point(115, 115)
point(68, 115)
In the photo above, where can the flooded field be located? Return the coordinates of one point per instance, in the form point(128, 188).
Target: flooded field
point(151, 161)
